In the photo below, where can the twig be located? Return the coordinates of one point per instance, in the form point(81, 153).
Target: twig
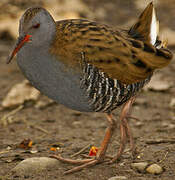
point(163, 157)
point(38, 128)
point(31, 125)
point(82, 150)
point(172, 141)
point(3, 152)
point(132, 117)
point(8, 117)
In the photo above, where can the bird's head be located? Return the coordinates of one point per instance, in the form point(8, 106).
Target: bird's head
point(36, 27)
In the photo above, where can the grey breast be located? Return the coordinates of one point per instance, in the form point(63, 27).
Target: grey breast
point(48, 75)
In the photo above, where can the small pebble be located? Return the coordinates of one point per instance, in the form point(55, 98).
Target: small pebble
point(140, 166)
point(168, 125)
point(77, 123)
point(139, 124)
point(154, 169)
point(118, 178)
point(33, 151)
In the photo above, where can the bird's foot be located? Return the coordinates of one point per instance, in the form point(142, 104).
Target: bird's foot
point(125, 133)
point(100, 156)
point(82, 163)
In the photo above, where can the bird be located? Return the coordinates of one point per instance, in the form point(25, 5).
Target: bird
point(91, 67)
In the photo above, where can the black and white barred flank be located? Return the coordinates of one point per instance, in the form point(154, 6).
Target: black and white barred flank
point(104, 93)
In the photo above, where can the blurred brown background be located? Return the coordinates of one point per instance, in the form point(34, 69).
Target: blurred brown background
point(47, 124)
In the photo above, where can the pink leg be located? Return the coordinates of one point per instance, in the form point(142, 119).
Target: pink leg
point(100, 155)
point(125, 130)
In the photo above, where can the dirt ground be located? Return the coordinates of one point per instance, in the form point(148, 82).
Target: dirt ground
point(154, 131)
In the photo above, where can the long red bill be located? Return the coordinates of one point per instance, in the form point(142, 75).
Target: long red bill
point(21, 41)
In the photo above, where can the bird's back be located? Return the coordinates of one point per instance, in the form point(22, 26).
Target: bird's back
point(115, 64)
point(79, 42)
point(114, 52)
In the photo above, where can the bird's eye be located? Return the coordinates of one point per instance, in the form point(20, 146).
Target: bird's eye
point(36, 26)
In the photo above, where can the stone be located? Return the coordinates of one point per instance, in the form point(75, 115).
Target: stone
point(34, 166)
point(154, 169)
point(140, 166)
point(20, 93)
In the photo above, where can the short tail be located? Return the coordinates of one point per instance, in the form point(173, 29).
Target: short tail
point(154, 53)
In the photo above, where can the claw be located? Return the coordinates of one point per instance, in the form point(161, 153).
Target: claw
point(125, 132)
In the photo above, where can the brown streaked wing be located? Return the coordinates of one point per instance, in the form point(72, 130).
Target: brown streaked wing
point(110, 50)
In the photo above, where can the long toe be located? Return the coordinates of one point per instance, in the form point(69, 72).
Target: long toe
point(82, 163)
point(71, 161)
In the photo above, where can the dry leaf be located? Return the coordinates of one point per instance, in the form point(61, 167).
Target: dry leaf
point(26, 144)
